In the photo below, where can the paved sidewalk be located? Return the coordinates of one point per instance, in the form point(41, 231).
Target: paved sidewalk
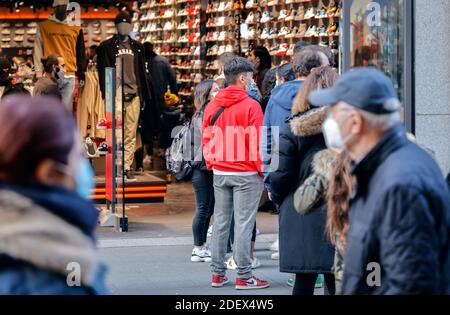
point(167, 269)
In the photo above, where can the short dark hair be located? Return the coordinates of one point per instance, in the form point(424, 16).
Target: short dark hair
point(225, 57)
point(300, 45)
point(93, 47)
point(236, 66)
point(285, 71)
point(49, 62)
point(264, 56)
point(306, 60)
point(17, 89)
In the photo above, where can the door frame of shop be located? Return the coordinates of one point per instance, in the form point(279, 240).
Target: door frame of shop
point(408, 54)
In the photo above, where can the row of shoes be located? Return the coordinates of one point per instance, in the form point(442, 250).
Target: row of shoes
point(219, 36)
point(295, 32)
point(221, 21)
point(217, 50)
point(91, 149)
point(159, 3)
point(290, 15)
point(169, 51)
point(188, 78)
point(223, 6)
point(179, 64)
point(171, 25)
point(186, 91)
point(168, 13)
point(262, 3)
point(21, 31)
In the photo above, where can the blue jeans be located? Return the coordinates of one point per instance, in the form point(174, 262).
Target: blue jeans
point(67, 89)
point(203, 182)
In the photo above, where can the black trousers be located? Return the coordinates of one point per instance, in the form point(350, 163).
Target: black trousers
point(305, 283)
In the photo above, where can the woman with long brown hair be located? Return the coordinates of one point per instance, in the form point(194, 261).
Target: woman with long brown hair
point(338, 195)
point(304, 247)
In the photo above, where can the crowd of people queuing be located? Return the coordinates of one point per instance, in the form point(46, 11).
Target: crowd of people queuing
point(358, 201)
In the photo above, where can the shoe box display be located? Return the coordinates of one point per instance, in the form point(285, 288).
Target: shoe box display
point(96, 31)
point(17, 33)
point(279, 24)
point(173, 26)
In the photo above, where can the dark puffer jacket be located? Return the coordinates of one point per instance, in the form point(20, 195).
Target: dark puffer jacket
point(304, 247)
point(399, 219)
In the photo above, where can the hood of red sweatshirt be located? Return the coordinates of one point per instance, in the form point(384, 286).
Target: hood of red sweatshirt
point(230, 96)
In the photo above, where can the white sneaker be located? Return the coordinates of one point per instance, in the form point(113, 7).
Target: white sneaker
point(275, 256)
point(201, 255)
point(255, 263)
point(231, 264)
point(274, 246)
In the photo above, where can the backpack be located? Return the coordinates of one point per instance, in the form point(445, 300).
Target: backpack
point(179, 155)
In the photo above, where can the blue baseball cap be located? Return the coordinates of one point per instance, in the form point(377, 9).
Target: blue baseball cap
point(367, 89)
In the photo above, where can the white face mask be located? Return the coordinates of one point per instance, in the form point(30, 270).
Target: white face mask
point(333, 136)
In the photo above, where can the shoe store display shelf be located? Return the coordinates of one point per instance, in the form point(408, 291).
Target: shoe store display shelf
point(278, 24)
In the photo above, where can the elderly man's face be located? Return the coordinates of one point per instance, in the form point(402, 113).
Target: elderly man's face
point(349, 121)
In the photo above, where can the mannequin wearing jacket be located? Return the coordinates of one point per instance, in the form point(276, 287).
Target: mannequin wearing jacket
point(138, 100)
point(59, 36)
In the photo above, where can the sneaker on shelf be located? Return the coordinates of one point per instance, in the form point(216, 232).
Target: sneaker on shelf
point(283, 14)
point(250, 4)
point(250, 18)
point(90, 148)
point(103, 149)
point(231, 264)
point(310, 13)
point(284, 31)
point(251, 284)
point(292, 33)
point(266, 17)
point(275, 256)
point(273, 2)
point(332, 8)
point(219, 281)
point(255, 263)
point(129, 177)
point(332, 29)
point(273, 33)
point(265, 33)
point(322, 31)
point(300, 14)
point(200, 255)
point(291, 16)
point(301, 31)
point(321, 13)
point(102, 124)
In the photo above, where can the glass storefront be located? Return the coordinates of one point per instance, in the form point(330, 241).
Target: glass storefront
point(379, 34)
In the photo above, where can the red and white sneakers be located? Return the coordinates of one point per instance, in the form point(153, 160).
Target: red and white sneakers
point(251, 284)
point(219, 281)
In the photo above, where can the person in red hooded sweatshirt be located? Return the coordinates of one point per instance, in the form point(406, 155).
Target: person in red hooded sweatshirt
point(232, 125)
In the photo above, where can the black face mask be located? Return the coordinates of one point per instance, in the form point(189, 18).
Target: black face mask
point(61, 12)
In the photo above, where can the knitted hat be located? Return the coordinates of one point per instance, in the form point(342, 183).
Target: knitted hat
point(122, 17)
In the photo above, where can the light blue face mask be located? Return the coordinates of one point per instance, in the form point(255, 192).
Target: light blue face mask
point(84, 179)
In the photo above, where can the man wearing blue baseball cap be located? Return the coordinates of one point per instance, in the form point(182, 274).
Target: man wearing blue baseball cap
point(399, 237)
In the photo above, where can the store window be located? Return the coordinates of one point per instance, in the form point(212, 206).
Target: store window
point(379, 35)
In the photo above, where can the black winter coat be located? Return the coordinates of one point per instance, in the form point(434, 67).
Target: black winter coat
point(106, 57)
point(304, 246)
point(399, 219)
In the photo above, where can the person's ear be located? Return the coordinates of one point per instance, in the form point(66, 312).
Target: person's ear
point(45, 172)
point(357, 123)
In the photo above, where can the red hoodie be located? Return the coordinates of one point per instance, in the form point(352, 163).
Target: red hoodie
point(233, 143)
